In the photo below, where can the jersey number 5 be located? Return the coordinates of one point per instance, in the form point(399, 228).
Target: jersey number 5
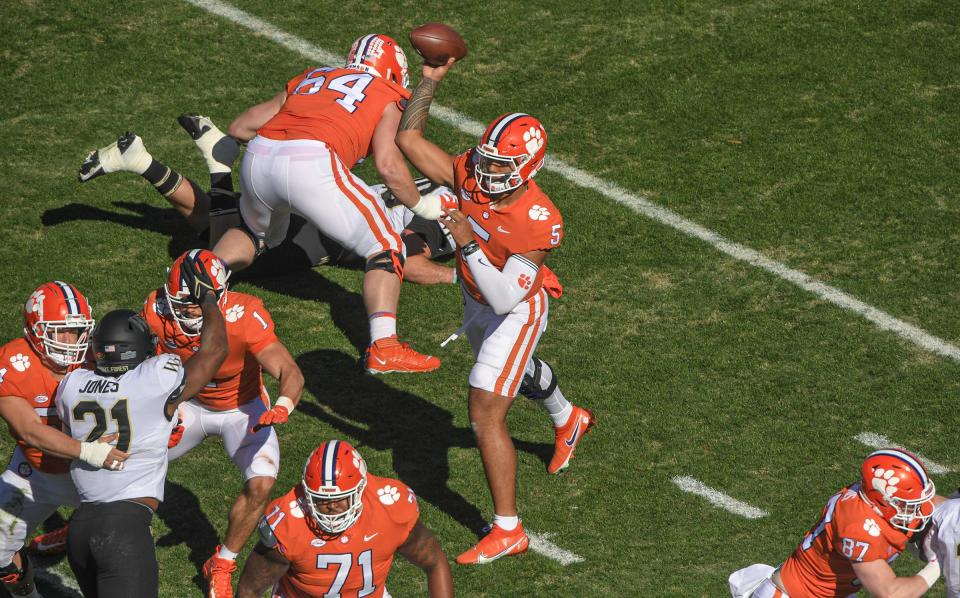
point(119, 413)
point(351, 86)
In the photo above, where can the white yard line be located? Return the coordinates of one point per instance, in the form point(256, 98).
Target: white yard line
point(63, 585)
point(881, 319)
point(717, 498)
point(878, 441)
point(541, 543)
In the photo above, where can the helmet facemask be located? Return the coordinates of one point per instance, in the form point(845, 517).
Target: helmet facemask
point(500, 181)
point(912, 515)
point(61, 353)
point(334, 524)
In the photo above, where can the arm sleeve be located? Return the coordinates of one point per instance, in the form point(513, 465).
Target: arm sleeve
point(503, 290)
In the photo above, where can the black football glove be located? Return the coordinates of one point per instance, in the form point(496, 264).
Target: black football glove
point(197, 280)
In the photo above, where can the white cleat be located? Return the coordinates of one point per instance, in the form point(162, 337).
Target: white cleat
point(219, 150)
point(126, 154)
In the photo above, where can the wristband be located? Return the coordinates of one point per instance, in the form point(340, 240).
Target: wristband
point(469, 249)
point(94, 453)
point(930, 573)
point(286, 403)
point(427, 208)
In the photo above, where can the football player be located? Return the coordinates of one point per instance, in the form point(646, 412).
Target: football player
point(303, 143)
point(504, 229)
point(335, 534)
point(110, 545)
point(861, 530)
point(56, 322)
point(234, 405)
point(212, 212)
point(940, 541)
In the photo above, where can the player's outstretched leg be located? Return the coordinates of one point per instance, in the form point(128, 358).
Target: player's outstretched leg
point(218, 149)
point(570, 423)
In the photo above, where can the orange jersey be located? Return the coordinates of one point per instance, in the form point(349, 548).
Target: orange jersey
point(531, 223)
point(24, 375)
point(340, 107)
point(249, 331)
point(356, 562)
point(849, 531)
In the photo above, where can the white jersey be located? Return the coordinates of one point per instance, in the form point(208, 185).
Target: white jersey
point(91, 405)
point(943, 540)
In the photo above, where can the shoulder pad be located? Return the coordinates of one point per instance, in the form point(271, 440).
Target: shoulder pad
point(397, 499)
point(265, 532)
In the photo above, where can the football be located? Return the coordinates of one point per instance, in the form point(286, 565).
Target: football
point(437, 42)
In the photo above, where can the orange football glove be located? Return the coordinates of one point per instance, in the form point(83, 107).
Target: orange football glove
point(176, 434)
point(277, 415)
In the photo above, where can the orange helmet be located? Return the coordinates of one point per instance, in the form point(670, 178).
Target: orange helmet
point(334, 471)
point(380, 56)
point(897, 485)
point(54, 308)
point(514, 140)
point(178, 295)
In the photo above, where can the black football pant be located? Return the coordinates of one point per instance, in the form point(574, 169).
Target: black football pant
point(110, 549)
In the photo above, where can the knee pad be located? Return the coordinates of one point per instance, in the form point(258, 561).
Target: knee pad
point(388, 261)
point(532, 385)
point(18, 580)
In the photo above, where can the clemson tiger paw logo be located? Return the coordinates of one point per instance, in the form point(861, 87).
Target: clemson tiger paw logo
point(235, 313)
point(20, 362)
point(359, 463)
point(533, 140)
point(388, 495)
point(219, 271)
point(538, 212)
point(35, 301)
point(885, 482)
point(871, 527)
point(524, 281)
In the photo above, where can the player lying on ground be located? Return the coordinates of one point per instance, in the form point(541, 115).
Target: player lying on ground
point(211, 213)
point(861, 530)
point(57, 321)
point(335, 534)
point(504, 228)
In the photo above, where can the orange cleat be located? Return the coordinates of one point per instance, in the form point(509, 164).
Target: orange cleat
point(388, 355)
point(219, 575)
point(497, 543)
point(51, 543)
point(568, 437)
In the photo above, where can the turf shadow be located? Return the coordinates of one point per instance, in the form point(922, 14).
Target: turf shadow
point(418, 433)
point(183, 515)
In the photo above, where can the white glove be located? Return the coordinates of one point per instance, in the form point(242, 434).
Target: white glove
point(96, 453)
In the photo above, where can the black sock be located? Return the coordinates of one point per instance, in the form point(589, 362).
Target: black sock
point(164, 180)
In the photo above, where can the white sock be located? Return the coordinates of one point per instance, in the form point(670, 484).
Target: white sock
point(226, 553)
point(214, 144)
point(382, 325)
point(507, 524)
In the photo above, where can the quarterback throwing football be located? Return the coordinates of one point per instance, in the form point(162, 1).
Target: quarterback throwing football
point(504, 229)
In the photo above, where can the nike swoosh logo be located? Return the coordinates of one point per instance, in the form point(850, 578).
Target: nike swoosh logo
point(573, 437)
point(370, 537)
point(483, 559)
point(380, 361)
point(503, 230)
point(41, 546)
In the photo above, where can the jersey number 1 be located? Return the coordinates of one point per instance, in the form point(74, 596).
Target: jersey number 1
point(119, 414)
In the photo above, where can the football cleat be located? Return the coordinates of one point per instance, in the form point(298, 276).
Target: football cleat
point(219, 575)
point(388, 355)
point(51, 543)
point(497, 543)
point(127, 154)
point(219, 150)
point(568, 436)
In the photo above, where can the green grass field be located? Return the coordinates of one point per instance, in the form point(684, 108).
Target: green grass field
point(821, 134)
